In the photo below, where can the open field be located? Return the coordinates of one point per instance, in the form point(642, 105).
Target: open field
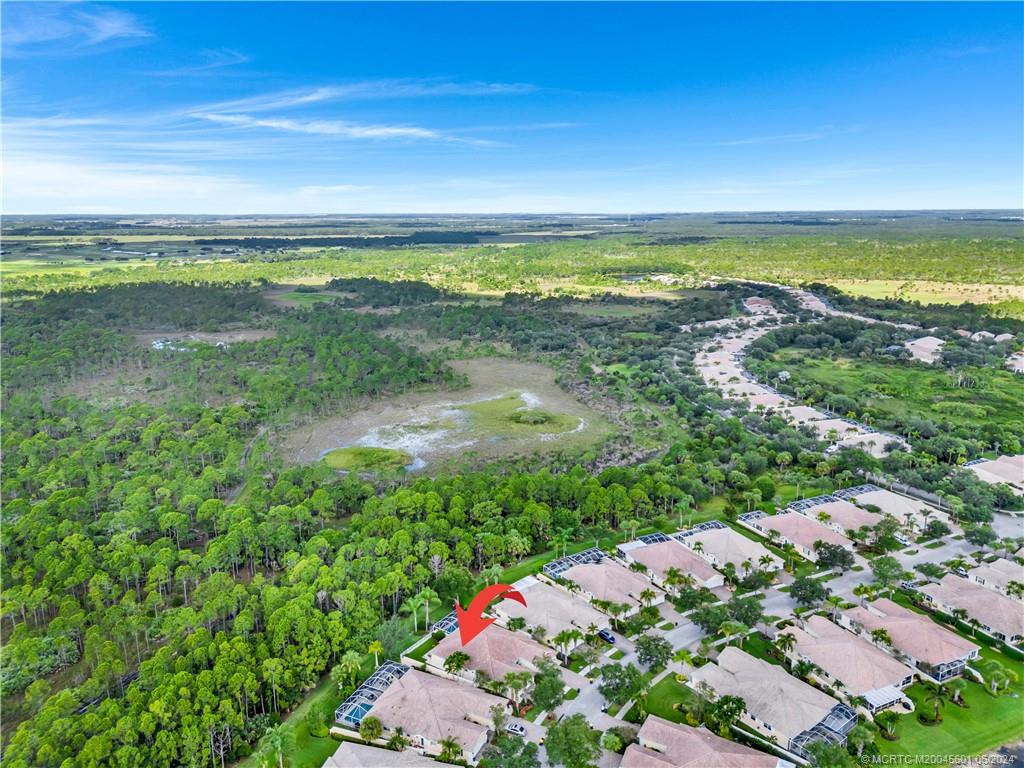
point(903, 391)
point(928, 292)
point(510, 408)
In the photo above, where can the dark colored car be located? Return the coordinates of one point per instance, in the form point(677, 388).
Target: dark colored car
point(607, 636)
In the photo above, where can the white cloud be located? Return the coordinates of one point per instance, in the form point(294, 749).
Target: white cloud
point(365, 90)
point(207, 62)
point(323, 127)
point(784, 138)
point(66, 28)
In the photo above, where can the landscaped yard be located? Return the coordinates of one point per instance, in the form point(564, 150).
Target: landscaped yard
point(984, 725)
point(667, 693)
point(988, 722)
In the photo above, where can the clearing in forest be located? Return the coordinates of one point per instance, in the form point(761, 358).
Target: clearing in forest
point(510, 408)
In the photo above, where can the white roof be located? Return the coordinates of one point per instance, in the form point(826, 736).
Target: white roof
point(664, 744)
point(997, 611)
point(728, 546)
point(913, 633)
point(859, 665)
point(789, 705)
point(352, 755)
point(552, 608)
point(998, 573)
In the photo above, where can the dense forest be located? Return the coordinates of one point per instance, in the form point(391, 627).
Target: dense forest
point(172, 587)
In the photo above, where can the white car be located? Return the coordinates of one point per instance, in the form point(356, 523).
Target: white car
point(515, 728)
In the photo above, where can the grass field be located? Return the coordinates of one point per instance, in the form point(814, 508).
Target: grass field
point(931, 292)
point(359, 458)
point(903, 391)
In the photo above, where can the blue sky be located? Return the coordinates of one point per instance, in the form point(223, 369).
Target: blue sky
point(507, 107)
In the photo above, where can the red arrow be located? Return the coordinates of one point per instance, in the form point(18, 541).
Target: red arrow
point(471, 620)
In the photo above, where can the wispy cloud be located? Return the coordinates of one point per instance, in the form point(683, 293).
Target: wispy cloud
point(367, 90)
point(781, 138)
point(209, 61)
point(323, 127)
point(67, 28)
point(969, 50)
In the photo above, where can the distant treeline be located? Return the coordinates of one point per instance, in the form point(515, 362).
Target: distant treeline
point(416, 238)
point(792, 222)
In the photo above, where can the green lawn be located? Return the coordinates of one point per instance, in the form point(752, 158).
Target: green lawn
point(757, 645)
point(900, 391)
point(987, 723)
point(667, 693)
point(984, 725)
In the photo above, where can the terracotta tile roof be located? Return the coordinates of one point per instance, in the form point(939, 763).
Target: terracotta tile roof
point(663, 744)
point(856, 663)
point(671, 554)
point(912, 633)
point(802, 530)
point(608, 581)
point(997, 611)
point(496, 651)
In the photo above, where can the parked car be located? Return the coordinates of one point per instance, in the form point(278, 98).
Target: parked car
point(515, 728)
point(607, 636)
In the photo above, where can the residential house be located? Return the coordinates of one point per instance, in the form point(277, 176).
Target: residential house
point(663, 744)
point(431, 709)
point(801, 531)
point(553, 609)
point(492, 654)
point(842, 516)
point(934, 651)
point(778, 705)
point(349, 754)
point(996, 614)
point(608, 582)
point(662, 556)
point(720, 546)
point(850, 663)
point(999, 575)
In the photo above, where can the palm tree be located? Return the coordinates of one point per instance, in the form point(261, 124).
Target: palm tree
point(647, 596)
point(785, 643)
point(881, 637)
point(935, 694)
point(398, 740)
point(862, 734)
point(698, 547)
point(956, 688)
point(451, 750)
point(563, 640)
point(376, 649)
point(803, 668)
point(276, 740)
point(493, 574)
point(350, 663)
point(426, 595)
point(515, 683)
point(456, 662)
point(731, 628)
point(413, 604)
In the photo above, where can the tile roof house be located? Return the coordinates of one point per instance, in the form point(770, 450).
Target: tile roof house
point(550, 607)
point(927, 349)
point(660, 557)
point(842, 516)
point(933, 650)
point(493, 653)
point(842, 428)
point(609, 582)
point(724, 545)
point(801, 531)
point(854, 665)
point(352, 755)
point(899, 507)
point(998, 575)
point(431, 709)
point(873, 443)
point(664, 744)
point(1005, 469)
point(778, 704)
point(1000, 616)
